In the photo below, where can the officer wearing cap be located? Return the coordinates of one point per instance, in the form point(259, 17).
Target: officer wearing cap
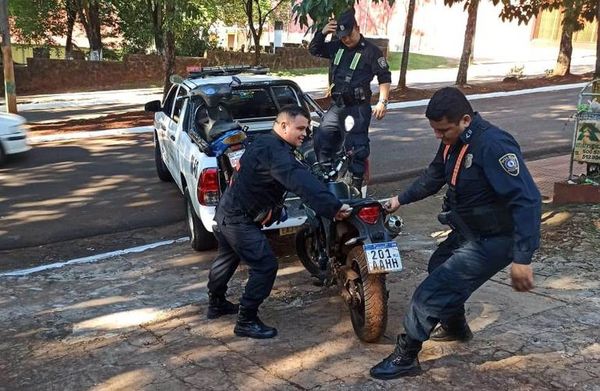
point(494, 210)
point(354, 63)
point(255, 199)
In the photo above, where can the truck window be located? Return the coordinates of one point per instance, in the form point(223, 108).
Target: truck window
point(179, 101)
point(251, 103)
point(168, 102)
point(285, 95)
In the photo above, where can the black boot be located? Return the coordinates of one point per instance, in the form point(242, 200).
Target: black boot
point(249, 325)
point(357, 183)
point(402, 362)
point(455, 329)
point(218, 306)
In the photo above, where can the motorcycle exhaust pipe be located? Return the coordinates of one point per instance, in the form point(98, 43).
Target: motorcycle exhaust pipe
point(394, 224)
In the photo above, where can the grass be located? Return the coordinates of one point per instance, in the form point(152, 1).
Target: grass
point(415, 61)
point(420, 61)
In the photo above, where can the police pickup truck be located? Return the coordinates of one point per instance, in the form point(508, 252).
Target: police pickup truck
point(180, 146)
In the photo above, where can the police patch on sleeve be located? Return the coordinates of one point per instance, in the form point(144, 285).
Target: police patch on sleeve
point(382, 62)
point(510, 164)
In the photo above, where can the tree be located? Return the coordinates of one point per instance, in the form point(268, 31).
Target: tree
point(257, 13)
point(90, 17)
point(574, 15)
point(72, 11)
point(467, 53)
point(37, 21)
point(597, 70)
point(406, 48)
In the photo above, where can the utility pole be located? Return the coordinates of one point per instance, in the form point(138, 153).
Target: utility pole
point(9, 73)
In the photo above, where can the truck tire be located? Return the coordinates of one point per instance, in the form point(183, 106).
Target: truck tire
point(161, 168)
point(2, 155)
point(200, 238)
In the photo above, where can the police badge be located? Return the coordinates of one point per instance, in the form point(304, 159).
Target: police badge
point(382, 62)
point(510, 164)
point(468, 160)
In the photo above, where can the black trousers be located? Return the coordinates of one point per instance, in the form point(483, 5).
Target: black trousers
point(456, 270)
point(247, 243)
point(331, 134)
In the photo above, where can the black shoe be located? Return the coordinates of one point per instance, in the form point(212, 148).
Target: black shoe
point(459, 331)
point(402, 362)
point(249, 325)
point(218, 306)
point(357, 183)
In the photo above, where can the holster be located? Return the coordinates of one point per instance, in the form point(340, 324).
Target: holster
point(454, 221)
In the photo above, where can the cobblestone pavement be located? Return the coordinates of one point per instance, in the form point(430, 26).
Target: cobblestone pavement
point(137, 322)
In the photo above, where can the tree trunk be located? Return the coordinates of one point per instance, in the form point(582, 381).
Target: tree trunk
point(71, 18)
point(255, 34)
point(89, 12)
point(155, 9)
point(169, 40)
point(563, 62)
point(461, 77)
point(597, 70)
point(405, 50)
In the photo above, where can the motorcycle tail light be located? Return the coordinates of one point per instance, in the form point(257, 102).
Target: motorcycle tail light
point(369, 214)
point(208, 187)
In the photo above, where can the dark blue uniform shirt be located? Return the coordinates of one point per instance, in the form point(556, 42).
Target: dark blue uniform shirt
point(494, 173)
point(267, 169)
point(372, 62)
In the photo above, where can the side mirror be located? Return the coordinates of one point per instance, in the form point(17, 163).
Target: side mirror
point(153, 106)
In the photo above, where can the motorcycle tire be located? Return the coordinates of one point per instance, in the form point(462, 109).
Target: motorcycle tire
point(369, 317)
point(305, 251)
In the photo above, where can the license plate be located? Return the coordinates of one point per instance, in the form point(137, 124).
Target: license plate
point(288, 231)
point(383, 257)
point(234, 157)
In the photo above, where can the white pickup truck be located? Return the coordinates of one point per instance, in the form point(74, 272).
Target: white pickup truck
point(180, 146)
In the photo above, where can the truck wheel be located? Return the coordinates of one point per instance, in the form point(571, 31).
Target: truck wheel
point(161, 168)
point(2, 155)
point(200, 238)
point(369, 315)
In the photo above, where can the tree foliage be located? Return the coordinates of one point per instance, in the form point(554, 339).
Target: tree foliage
point(315, 14)
point(257, 13)
point(37, 21)
point(574, 15)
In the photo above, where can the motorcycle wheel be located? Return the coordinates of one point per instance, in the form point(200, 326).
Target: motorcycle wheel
point(306, 248)
point(369, 317)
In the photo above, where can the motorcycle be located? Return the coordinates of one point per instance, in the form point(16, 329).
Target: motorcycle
point(223, 138)
point(356, 254)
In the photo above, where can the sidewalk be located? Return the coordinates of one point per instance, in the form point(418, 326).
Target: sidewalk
point(137, 322)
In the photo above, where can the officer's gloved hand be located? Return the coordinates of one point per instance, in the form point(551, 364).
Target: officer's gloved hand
point(343, 213)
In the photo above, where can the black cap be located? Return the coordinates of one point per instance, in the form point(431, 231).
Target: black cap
point(345, 23)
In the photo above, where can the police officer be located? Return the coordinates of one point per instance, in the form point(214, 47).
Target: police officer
point(494, 210)
point(355, 61)
point(255, 199)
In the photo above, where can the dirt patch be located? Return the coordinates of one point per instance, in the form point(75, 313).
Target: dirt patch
point(111, 121)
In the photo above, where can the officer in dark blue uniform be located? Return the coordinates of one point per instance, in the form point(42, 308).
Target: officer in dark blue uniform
point(255, 199)
point(355, 61)
point(494, 210)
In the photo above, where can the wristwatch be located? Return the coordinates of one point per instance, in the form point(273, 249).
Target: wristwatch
point(384, 101)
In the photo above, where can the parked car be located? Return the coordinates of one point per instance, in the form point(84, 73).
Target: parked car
point(181, 150)
point(13, 136)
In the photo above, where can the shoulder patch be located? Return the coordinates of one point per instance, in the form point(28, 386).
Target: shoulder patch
point(382, 62)
point(510, 164)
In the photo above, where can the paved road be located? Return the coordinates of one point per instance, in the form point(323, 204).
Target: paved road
point(79, 188)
